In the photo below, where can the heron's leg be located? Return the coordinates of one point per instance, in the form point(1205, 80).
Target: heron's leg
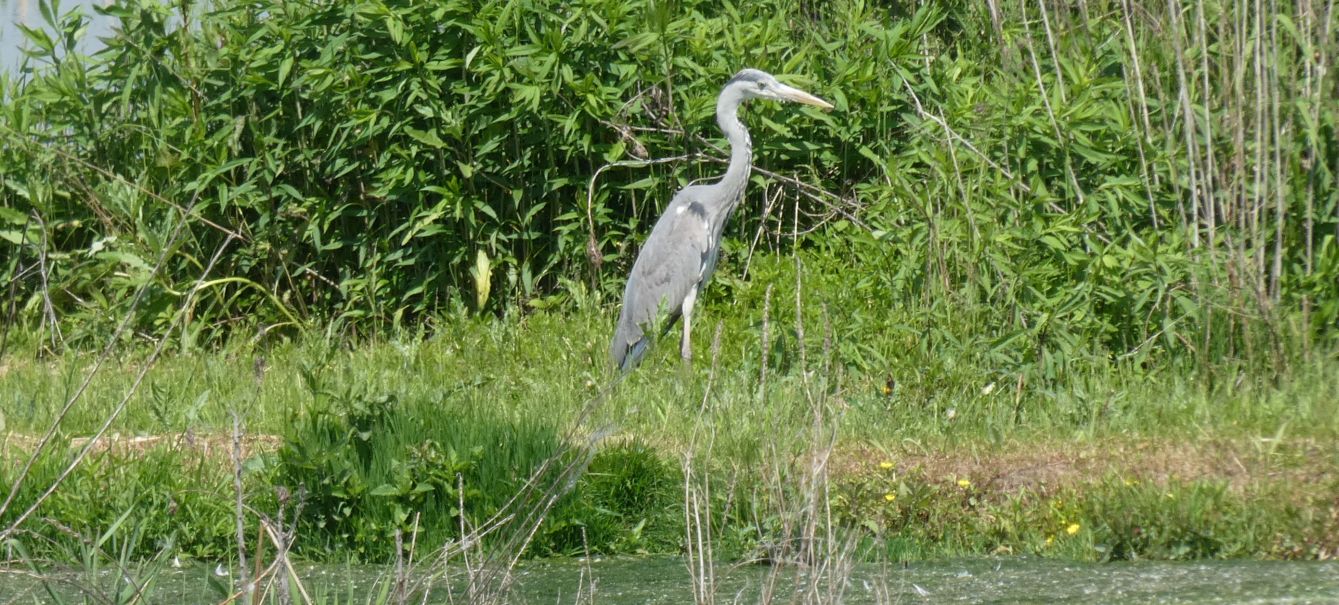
point(686, 346)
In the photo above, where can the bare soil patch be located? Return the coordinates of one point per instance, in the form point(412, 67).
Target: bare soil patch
point(1042, 468)
point(195, 446)
point(1049, 467)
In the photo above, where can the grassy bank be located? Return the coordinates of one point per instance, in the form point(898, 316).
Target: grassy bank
point(435, 433)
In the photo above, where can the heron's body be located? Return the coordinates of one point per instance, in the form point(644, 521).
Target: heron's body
point(680, 255)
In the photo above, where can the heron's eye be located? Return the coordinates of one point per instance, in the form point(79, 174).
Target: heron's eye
point(762, 85)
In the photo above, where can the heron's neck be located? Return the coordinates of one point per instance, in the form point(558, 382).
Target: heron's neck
point(741, 148)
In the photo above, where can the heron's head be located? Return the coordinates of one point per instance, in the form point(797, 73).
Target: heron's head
point(757, 84)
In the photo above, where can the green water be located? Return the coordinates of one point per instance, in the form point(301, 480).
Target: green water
point(666, 580)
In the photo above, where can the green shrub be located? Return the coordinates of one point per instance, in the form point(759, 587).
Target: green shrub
point(368, 465)
point(1040, 193)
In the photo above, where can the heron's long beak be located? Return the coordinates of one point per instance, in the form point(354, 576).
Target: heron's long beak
point(799, 96)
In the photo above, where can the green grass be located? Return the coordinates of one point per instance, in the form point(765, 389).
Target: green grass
point(550, 365)
point(363, 423)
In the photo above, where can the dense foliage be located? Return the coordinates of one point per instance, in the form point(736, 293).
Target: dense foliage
point(1030, 183)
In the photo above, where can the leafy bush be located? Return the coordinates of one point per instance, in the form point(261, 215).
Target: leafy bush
point(368, 465)
point(364, 154)
point(1040, 188)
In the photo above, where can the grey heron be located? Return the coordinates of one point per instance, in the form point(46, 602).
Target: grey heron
point(680, 255)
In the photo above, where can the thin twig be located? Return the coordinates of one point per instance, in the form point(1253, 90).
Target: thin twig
point(766, 337)
point(48, 309)
point(13, 286)
point(238, 510)
point(762, 226)
point(813, 192)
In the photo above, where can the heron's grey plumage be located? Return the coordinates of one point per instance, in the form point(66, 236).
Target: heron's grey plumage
point(681, 253)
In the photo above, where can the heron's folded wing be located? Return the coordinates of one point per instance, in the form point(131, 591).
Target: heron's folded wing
point(671, 262)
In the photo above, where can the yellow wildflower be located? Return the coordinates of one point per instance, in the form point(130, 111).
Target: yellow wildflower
point(885, 465)
point(963, 483)
point(890, 496)
point(1073, 529)
point(1049, 540)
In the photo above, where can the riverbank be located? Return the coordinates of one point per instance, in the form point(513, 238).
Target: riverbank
point(399, 436)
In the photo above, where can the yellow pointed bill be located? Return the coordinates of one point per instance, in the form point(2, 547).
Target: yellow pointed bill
point(799, 96)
